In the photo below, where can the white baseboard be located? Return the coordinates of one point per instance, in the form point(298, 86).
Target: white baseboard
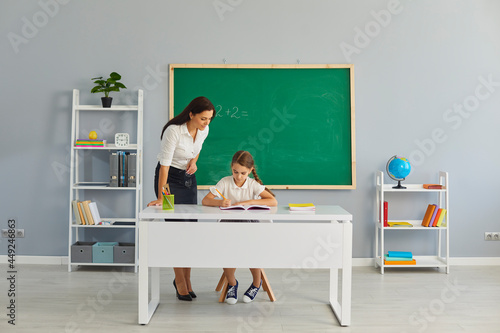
point(36, 260)
point(456, 261)
point(475, 261)
point(356, 262)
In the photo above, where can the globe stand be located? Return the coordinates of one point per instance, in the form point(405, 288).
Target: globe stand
point(399, 186)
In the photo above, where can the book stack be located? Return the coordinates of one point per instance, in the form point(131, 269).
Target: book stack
point(399, 258)
point(86, 212)
point(90, 143)
point(301, 207)
point(434, 216)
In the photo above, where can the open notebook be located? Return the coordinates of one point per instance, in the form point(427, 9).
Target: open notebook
point(246, 207)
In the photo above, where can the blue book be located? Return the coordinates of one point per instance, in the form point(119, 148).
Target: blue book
point(387, 258)
point(401, 254)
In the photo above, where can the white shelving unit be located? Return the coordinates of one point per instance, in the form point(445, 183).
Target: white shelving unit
point(384, 192)
point(79, 189)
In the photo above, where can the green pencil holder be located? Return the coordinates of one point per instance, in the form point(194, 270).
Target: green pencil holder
point(168, 202)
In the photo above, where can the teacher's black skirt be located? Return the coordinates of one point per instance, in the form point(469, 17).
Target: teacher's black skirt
point(182, 185)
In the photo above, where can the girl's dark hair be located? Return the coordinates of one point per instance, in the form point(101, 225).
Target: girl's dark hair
point(197, 105)
point(245, 159)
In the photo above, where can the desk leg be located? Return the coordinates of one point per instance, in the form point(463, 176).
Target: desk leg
point(146, 308)
point(155, 284)
point(342, 309)
point(143, 287)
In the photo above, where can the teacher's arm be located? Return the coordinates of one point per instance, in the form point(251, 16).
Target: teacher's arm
point(191, 166)
point(162, 180)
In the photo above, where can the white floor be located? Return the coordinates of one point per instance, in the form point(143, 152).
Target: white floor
point(98, 299)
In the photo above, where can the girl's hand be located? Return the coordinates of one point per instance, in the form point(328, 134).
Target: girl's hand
point(157, 202)
point(226, 203)
point(191, 167)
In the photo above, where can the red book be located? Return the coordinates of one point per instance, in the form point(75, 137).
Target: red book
point(433, 186)
point(386, 204)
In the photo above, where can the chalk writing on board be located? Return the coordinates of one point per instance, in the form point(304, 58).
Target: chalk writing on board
point(234, 112)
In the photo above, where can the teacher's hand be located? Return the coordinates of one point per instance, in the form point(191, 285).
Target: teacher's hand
point(191, 167)
point(157, 202)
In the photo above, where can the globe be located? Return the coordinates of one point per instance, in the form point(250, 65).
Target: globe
point(398, 168)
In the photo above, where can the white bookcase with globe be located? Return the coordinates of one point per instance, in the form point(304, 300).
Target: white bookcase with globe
point(414, 192)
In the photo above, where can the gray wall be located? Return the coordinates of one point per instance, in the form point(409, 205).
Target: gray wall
point(421, 74)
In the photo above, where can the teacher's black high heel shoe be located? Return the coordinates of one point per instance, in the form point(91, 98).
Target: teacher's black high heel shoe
point(182, 297)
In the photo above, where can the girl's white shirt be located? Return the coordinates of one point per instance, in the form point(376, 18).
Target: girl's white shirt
point(250, 190)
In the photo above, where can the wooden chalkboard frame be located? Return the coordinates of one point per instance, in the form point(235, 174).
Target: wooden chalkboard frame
point(350, 67)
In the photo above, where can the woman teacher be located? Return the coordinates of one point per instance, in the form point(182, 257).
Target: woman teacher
point(181, 142)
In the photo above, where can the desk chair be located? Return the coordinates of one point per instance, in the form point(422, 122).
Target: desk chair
point(223, 285)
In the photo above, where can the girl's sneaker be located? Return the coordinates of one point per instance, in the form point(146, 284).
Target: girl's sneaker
point(251, 293)
point(232, 294)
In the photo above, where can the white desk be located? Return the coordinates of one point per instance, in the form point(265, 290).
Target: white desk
point(300, 240)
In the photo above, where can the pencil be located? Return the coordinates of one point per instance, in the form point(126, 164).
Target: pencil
point(223, 197)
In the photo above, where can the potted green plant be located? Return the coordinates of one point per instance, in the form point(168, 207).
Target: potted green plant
point(107, 86)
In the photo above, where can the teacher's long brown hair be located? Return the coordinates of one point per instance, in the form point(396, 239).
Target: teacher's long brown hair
point(197, 105)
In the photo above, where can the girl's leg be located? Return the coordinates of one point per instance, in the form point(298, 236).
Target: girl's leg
point(257, 276)
point(232, 291)
point(254, 287)
point(231, 279)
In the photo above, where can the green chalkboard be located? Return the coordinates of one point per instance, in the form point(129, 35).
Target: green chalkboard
point(297, 121)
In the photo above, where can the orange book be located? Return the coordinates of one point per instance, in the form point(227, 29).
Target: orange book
point(436, 219)
point(433, 186)
point(409, 262)
point(428, 215)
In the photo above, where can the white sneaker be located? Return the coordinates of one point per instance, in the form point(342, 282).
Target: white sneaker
point(232, 294)
point(251, 293)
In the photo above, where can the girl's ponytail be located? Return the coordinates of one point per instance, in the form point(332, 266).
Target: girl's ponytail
point(257, 179)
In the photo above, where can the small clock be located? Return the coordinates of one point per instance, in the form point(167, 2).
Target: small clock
point(122, 139)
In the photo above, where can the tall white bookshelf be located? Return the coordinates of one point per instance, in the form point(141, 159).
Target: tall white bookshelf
point(82, 189)
point(441, 257)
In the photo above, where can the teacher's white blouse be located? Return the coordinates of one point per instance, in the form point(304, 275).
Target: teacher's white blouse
point(178, 147)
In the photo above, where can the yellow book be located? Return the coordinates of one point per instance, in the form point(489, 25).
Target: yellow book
point(82, 213)
point(301, 207)
point(400, 224)
point(88, 213)
point(76, 212)
point(441, 217)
